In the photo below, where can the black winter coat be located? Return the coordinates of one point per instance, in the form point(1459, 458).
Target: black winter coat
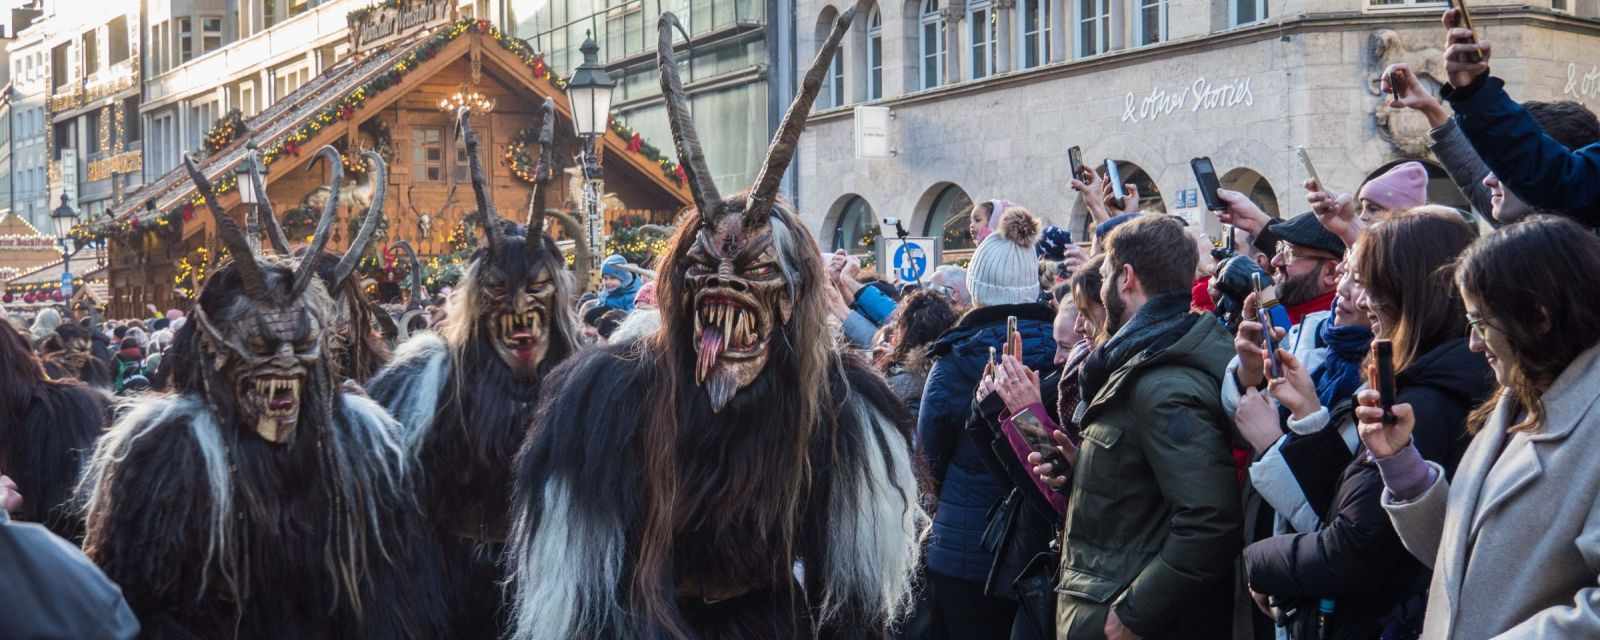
point(1356, 559)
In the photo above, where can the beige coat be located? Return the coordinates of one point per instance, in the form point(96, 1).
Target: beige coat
point(1516, 553)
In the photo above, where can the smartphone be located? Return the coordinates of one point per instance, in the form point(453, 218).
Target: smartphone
point(1075, 158)
point(1266, 295)
point(1305, 159)
point(1466, 18)
point(1011, 337)
point(1206, 176)
point(994, 358)
point(1384, 355)
point(1271, 345)
point(1115, 176)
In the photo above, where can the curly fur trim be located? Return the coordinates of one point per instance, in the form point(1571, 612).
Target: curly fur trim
point(1019, 226)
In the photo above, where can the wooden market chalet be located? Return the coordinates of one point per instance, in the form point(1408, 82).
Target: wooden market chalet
point(408, 57)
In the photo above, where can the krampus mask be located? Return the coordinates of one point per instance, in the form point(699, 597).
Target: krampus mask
point(514, 287)
point(268, 340)
point(739, 284)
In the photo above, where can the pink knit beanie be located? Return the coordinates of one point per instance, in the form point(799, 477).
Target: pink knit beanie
point(1403, 187)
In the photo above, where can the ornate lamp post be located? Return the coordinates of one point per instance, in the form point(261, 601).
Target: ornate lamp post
point(65, 217)
point(248, 197)
point(589, 93)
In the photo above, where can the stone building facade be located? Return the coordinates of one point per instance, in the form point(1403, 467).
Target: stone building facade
point(1241, 81)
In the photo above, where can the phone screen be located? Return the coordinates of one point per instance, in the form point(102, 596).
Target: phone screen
point(1271, 345)
point(1115, 176)
point(1075, 158)
point(1205, 175)
point(1384, 357)
point(1011, 337)
point(1305, 158)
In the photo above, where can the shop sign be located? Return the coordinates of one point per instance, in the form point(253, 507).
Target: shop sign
point(375, 25)
point(872, 132)
point(1582, 86)
point(1200, 95)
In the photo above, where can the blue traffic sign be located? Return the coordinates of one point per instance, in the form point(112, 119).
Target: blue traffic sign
point(910, 262)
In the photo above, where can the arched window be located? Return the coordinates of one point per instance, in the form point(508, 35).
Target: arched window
point(982, 23)
point(857, 231)
point(833, 83)
point(1035, 26)
point(930, 41)
point(947, 218)
point(875, 55)
point(1254, 186)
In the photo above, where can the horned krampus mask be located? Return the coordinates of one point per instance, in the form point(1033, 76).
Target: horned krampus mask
point(740, 279)
point(515, 291)
point(266, 338)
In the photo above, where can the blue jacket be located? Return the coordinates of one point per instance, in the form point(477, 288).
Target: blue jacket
point(967, 488)
point(1528, 161)
point(873, 304)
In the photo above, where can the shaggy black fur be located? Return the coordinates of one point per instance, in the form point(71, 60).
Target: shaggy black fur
point(588, 433)
point(43, 446)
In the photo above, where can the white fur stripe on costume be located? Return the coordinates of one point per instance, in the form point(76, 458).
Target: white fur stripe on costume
point(415, 403)
point(565, 576)
point(877, 525)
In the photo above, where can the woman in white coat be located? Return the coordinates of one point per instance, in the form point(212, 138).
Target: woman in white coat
point(1514, 542)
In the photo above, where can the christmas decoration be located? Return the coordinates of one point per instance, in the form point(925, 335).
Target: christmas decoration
point(225, 131)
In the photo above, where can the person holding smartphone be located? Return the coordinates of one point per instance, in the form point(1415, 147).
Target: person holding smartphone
point(1530, 163)
point(1355, 560)
point(1514, 537)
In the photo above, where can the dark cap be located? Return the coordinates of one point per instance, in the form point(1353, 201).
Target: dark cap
point(1304, 230)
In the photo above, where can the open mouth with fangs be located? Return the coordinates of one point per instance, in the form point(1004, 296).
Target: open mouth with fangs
point(520, 334)
point(726, 327)
point(277, 401)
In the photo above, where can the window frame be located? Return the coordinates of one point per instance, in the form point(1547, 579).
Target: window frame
point(1263, 11)
point(206, 34)
point(1103, 28)
point(930, 15)
point(875, 54)
point(420, 164)
point(91, 53)
point(1043, 33)
point(988, 44)
point(1162, 8)
point(185, 35)
point(835, 80)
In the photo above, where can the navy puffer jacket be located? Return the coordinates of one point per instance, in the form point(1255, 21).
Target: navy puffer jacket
point(967, 488)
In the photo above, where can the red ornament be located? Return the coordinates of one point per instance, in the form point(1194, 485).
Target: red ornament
point(7, 298)
point(30, 297)
point(483, 25)
point(291, 147)
point(538, 67)
point(56, 296)
point(188, 211)
point(636, 143)
point(677, 170)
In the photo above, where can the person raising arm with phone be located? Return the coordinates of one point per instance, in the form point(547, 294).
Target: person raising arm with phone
point(1514, 536)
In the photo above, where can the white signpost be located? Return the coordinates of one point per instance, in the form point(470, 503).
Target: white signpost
point(872, 132)
point(909, 261)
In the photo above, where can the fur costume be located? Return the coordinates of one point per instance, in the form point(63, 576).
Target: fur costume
point(47, 430)
point(764, 489)
point(69, 354)
point(465, 395)
point(258, 500)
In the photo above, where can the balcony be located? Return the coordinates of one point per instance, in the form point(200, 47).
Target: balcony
point(294, 36)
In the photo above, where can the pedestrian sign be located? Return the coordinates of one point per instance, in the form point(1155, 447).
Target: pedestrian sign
point(911, 260)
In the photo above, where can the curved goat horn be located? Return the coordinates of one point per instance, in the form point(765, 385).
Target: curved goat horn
point(491, 219)
point(690, 156)
point(307, 269)
point(255, 280)
point(580, 245)
point(379, 174)
point(781, 152)
point(535, 216)
point(280, 242)
point(416, 273)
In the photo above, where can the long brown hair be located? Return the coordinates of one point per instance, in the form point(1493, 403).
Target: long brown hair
point(1539, 279)
point(801, 347)
point(1407, 263)
point(22, 371)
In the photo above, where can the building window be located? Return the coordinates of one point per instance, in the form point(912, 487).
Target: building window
point(875, 54)
point(855, 231)
point(460, 169)
point(835, 81)
point(185, 39)
point(947, 217)
point(427, 156)
point(91, 133)
point(1558, 5)
point(210, 34)
point(1242, 12)
point(289, 78)
point(930, 44)
point(130, 120)
point(117, 38)
point(1035, 33)
point(981, 23)
point(1094, 27)
point(91, 53)
point(1152, 25)
point(247, 98)
point(201, 116)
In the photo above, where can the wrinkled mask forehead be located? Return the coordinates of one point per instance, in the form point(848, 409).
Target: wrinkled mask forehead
point(514, 265)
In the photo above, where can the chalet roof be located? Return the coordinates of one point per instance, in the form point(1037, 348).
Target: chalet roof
point(317, 96)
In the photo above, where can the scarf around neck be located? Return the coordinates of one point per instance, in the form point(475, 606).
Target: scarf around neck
point(1157, 325)
point(1340, 373)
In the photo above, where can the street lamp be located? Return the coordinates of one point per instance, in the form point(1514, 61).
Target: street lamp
point(65, 217)
point(589, 93)
point(248, 197)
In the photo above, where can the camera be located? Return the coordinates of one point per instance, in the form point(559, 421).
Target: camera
point(890, 221)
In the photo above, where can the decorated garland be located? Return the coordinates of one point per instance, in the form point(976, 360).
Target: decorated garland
point(190, 266)
point(519, 158)
point(225, 131)
point(637, 144)
point(633, 243)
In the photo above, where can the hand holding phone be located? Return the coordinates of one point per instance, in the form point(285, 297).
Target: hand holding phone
point(1383, 355)
point(1305, 161)
point(1114, 176)
point(1075, 161)
point(1013, 345)
point(1205, 175)
point(1270, 343)
point(1465, 58)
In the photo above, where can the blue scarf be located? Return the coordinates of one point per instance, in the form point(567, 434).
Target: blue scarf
point(1340, 374)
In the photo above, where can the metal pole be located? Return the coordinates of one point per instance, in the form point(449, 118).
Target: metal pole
point(593, 181)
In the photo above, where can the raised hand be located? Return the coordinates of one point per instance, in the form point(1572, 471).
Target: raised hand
point(1464, 57)
point(1241, 212)
point(1383, 440)
point(1257, 421)
point(1406, 91)
point(1295, 389)
point(1017, 385)
point(1336, 212)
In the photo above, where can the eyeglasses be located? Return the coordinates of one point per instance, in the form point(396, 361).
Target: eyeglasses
point(1478, 327)
point(1286, 250)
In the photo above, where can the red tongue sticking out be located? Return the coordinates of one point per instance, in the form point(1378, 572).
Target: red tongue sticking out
point(711, 344)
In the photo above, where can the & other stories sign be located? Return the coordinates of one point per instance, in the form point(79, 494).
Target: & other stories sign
point(1197, 96)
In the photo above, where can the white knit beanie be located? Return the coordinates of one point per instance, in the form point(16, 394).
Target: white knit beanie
point(1005, 269)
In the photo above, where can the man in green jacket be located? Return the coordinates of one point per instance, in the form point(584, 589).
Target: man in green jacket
point(1153, 524)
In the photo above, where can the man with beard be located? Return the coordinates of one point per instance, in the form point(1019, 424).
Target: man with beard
point(766, 488)
point(258, 500)
point(1306, 270)
point(70, 354)
point(1152, 524)
point(465, 395)
point(47, 427)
